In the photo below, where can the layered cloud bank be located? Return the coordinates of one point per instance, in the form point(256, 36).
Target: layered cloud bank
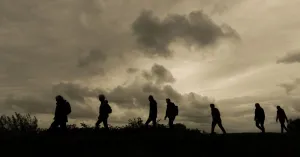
point(230, 52)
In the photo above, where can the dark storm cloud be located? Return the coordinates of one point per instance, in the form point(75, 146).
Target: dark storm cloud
point(37, 104)
point(45, 39)
point(289, 87)
point(126, 97)
point(159, 74)
point(132, 70)
point(44, 102)
point(93, 56)
point(154, 35)
point(193, 107)
point(75, 91)
point(30, 104)
point(290, 57)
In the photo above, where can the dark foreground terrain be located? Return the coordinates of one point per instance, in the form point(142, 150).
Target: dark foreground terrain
point(150, 142)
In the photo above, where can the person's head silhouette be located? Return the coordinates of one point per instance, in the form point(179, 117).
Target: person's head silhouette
point(150, 98)
point(278, 107)
point(168, 100)
point(212, 105)
point(257, 105)
point(101, 97)
point(59, 98)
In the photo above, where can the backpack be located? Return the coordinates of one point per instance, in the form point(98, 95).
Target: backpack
point(176, 110)
point(68, 108)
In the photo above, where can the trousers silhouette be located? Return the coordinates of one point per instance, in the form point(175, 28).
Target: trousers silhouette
point(282, 125)
point(171, 122)
point(151, 119)
point(260, 125)
point(100, 120)
point(213, 125)
point(56, 123)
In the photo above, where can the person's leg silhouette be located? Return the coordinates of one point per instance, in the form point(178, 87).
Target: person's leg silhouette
point(100, 119)
point(54, 125)
point(283, 127)
point(154, 122)
point(213, 125)
point(63, 126)
point(257, 125)
point(262, 127)
point(171, 122)
point(147, 122)
point(105, 123)
point(221, 127)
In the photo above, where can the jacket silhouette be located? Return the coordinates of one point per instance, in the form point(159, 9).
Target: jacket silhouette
point(152, 112)
point(62, 110)
point(216, 119)
point(281, 116)
point(259, 117)
point(104, 111)
point(170, 112)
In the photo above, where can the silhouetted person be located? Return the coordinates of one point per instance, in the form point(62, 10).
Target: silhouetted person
point(282, 118)
point(153, 112)
point(216, 119)
point(62, 110)
point(171, 112)
point(104, 111)
point(259, 117)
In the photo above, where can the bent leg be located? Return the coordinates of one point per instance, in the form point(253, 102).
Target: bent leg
point(283, 127)
point(221, 127)
point(257, 125)
point(262, 125)
point(98, 122)
point(54, 125)
point(148, 121)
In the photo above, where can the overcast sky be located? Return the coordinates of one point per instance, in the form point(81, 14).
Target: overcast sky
point(233, 53)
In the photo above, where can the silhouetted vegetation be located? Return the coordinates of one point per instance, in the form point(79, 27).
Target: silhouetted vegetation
point(134, 139)
point(294, 125)
point(18, 122)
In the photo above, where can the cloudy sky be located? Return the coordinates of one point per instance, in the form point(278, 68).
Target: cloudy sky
point(230, 52)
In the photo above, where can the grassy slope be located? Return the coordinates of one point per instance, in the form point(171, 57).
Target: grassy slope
point(151, 142)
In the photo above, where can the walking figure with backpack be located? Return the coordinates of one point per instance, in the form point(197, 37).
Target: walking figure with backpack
point(104, 111)
point(171, 112)
point(62, 110)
